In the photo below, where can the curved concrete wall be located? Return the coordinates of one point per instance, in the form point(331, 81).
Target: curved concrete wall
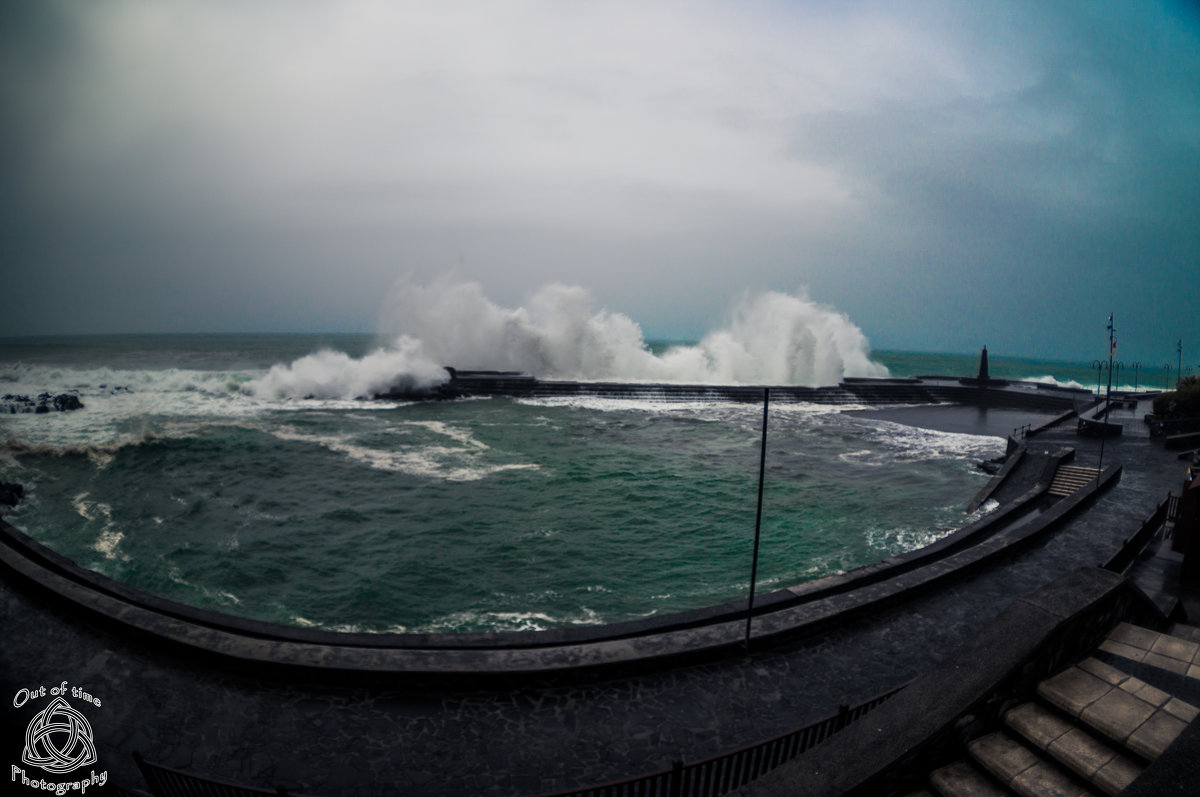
point(715, 630)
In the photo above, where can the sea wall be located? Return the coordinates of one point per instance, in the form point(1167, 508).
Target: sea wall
point(705, 633)
point(912, 390)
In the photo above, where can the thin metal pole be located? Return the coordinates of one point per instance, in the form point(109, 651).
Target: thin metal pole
point(762, 470)
point(1107, 397)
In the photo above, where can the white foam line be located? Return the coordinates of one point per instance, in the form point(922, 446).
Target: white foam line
point(91, 511)
point(453, 432)
point(427, 461)
point(921, 443)
point(224, 595)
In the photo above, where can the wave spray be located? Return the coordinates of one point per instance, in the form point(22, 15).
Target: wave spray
point(771, 338)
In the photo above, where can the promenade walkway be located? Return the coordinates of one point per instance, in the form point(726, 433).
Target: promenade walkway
point(414, 736)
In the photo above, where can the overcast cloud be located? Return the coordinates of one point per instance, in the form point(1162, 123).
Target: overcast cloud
point(946, 174)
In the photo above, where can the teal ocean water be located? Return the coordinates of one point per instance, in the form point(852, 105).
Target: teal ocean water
point(241, 474)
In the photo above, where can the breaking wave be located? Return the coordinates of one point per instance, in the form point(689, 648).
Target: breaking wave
point(771, 338)
point(335, 375)
point(1054, 382)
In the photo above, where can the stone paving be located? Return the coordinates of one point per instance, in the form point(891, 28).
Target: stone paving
point(1125, 709)
point(413, 737)
point(1018, 768)
point(1079, 751)
point(1165, 651)
point(1090, 729)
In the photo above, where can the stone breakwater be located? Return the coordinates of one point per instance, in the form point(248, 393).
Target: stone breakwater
point(908, 390)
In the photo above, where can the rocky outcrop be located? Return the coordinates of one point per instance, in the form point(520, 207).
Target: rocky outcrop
point(14, 404)
point(10, 494)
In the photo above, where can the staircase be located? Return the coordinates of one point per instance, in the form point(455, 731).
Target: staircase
point(1069, 478)
point(1091, 729)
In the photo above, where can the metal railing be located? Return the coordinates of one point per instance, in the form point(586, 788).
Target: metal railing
point(1166, 512)
point(722, 773)
point(1172, 513)
point(707, 777)
point(167, 782)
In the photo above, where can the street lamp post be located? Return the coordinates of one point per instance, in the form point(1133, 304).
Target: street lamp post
point(1099, 365)
point(1167, 378)
point(1112, 331)
point(1136, 366)
point(1179, 362)
point(1117, 373)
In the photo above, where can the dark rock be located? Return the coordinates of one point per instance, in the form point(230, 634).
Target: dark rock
point(10, 494)
point(67, 401)
point(13, 403)
point(993, 465)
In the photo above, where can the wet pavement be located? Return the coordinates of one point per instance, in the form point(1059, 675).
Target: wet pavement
point(414, 737)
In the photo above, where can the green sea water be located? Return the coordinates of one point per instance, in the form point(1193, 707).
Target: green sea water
point(179, 479)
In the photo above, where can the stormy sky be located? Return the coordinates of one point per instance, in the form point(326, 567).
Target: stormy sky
point(947, 174)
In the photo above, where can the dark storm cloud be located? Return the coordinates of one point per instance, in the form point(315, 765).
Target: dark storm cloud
point(1066, 190)
point(946, 174)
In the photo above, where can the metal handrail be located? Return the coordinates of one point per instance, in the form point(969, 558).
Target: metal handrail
point(1123, 558)
point(724, 772)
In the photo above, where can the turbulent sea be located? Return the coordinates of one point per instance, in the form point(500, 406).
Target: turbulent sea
point(221, 472)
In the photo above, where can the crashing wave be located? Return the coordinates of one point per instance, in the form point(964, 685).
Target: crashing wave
point(771, 338)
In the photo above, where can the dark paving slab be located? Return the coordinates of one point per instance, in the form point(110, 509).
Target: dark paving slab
point(1175, 772)
point(414, 737)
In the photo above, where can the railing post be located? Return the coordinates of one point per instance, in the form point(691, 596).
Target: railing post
point(675, 788)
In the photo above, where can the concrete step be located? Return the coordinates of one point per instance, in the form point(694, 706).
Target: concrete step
point(963, 779)
point(1126, 710)
point(1022, 770)
point(1169, 652)
point(1069, 478)
point(1101, 765)
point(1188, 632)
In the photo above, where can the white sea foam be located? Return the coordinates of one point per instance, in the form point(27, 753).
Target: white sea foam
point(92, 511)
point(508, 621)
point(335, 375)
point(606, 404)
point(220, 595)
point(451, 463)
point(900, 539)
point(771, 338)
point(900, 441)
point(863, 456)
point(1050, 380)
point(463, 436)
point(988, 506)
point(130, 407)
